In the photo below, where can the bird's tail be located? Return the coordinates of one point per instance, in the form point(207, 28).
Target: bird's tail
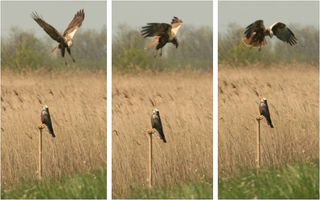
point(54, 49)
point(269, 122)
point(164, 139)
point(51, 131)
point(152, 42)
point(251, 42)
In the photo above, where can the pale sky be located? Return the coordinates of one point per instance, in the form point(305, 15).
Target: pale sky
point(136, 14)
point(56, 13)
point(289, 12)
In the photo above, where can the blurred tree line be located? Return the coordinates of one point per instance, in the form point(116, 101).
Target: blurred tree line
point(22, 50)
point(232, 50)
point(194, 51)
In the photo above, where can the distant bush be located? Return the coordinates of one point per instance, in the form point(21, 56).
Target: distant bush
point(22, 50)
point(232, 50)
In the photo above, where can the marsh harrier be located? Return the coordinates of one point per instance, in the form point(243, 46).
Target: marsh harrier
point(156, 124)
point(65, 39)
point(255, 34)
point(162, 34)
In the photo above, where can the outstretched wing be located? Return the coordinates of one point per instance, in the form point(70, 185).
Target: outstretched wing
point(52, 32)
point(255, 34)
point(256, 28)
point(155, 29)
point(282, 32)
point(75, 24)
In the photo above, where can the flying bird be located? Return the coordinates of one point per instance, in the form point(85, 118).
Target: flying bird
point(46, 119)
point(255, 34)
point(162, 34)
point(156, 124)
point(64, 40)
point(264, 111)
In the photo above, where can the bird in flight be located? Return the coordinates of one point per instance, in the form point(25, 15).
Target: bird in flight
point(264, 111)
point(255, 34)
point(156, 124)
point(64, 40)
point(46, 119)
point(162, 34)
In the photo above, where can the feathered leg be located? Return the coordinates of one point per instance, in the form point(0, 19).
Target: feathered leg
point(69, 51)
point(62, 54)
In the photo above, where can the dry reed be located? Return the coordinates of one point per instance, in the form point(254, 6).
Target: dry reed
point(76, 102)
point(184, 100)
point(292, 93)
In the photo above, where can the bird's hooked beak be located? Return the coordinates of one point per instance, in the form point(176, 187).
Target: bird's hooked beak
point(155, 110)
point(270, 33)
point(44, 107)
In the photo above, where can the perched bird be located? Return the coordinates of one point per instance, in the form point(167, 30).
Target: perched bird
point(162, 33)
point(264, 111)
point(46, 119)
point(65, 40)
point(255, 34)
point(156, 124)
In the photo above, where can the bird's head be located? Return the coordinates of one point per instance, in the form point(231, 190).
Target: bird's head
point(155, 111)
point(269, 32)
point(263, 99)
point(45, 107)
point(176, 20)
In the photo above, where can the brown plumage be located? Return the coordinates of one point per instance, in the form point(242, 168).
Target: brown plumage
point(256, 32)
point(264, 111)
point(46, 119)
point(156, 124)
point(162, 34)
point(65, 40)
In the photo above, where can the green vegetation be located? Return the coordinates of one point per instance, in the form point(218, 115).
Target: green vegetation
point(194, 51)
point(22, 50)
point(85, 186)
point(292, 181)
point(193, 190)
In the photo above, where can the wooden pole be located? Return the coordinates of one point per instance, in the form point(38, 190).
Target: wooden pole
point(258, 156)
point(150, 160)
point(40, 153)
point(150, 132)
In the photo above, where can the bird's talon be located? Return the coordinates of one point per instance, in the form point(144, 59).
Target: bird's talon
point(150, 131)
point(259, 117)
point(41, 126)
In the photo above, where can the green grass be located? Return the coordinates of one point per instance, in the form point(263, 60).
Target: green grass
point(191, 190)
point(290, 181)
point(84, 186)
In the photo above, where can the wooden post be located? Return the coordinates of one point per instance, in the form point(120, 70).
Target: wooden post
point(40, 153)
point(258, 156)
point(150, 132)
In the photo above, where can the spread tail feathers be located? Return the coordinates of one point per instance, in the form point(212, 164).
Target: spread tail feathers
point(152, 42)
point(54, 49)
point(250, 42)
